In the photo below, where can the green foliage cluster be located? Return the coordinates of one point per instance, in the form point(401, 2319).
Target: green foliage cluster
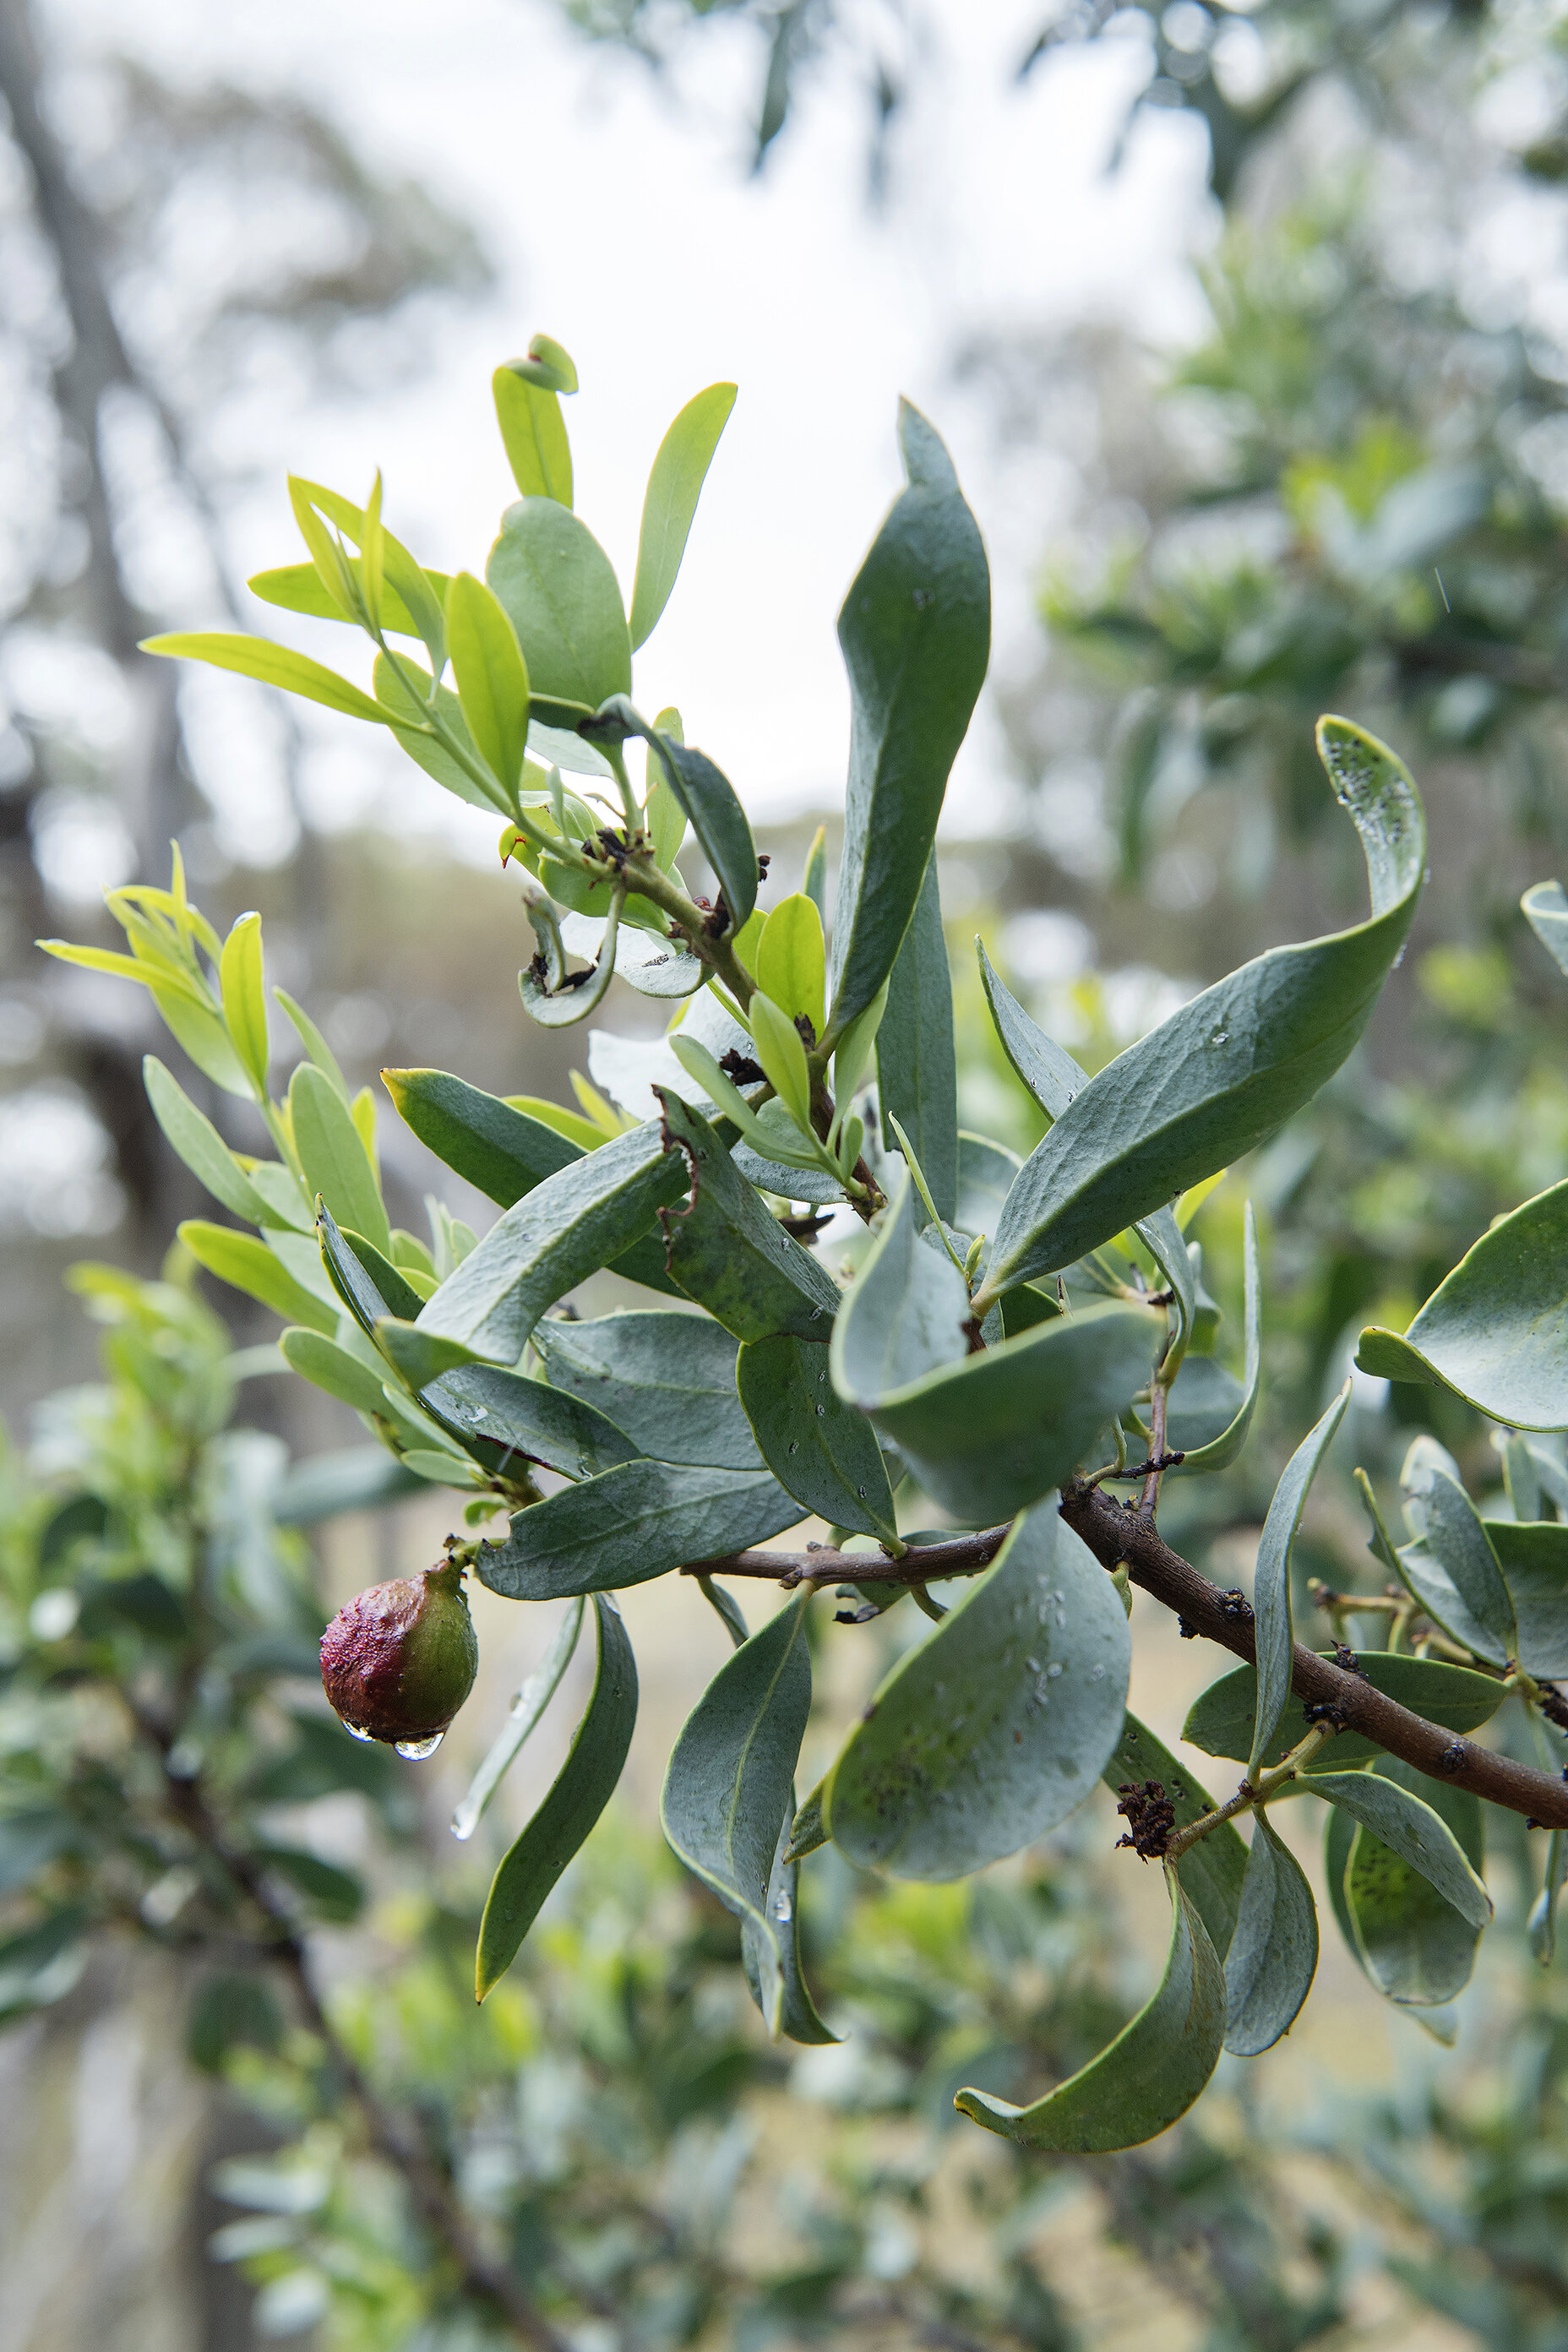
point(1002, 1345)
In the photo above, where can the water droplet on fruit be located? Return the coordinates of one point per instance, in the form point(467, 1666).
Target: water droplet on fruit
point(357, 1731)
point(414, 1751)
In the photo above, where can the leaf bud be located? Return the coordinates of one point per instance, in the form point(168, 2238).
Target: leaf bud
point(398, 1661)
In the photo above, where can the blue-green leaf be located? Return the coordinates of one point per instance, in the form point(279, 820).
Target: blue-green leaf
point(526, 1709)
point(581, 1789)
point(1150, 2074)
point(915, 632)
point(1444, 1519)
point(728, 1255)
point(640, 1520)
point(1496, 1329)
point(1546, 912)
point(1273, 1956)
point(917, 1072)
point(1271, 1585)
point(1214, 1870)
point(1227, 1070)
point(667, 1380)
point(1416, 1949)
point(1415, 1831)
point(998, 1726)
point(1533, 1557)
point(820, 1448)
point(1220, 1719)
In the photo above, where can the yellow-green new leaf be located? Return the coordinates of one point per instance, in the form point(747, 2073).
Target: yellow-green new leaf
point(782, 1056)
point(674, 487)
point(534, 435)
point(792, 960)
point(492, 677)
point(247, 1265)
point(270, 665)
point(198, 1143)
point(334, 1158)
point(245, 997)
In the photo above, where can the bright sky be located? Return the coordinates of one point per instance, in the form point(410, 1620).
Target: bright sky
point(624, 225)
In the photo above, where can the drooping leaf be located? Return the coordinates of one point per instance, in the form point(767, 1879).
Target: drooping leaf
point(915, 633)
point(1273, 1956)
point(534, 435)
point(521, 1721)
point(1271, 1585)
point(1220, 1719)
point(1214, 1870)
point(728, 1255)
point(771, 1953)
point(917, 1072)
point(1443, 1517)
point(1415, 1832)
point(556, 1000)
point(1546, 912)
point(820, 1448)
point(648, 961)
point(1150, 2074)
point(247, 1265)
point(640, 1520)
point(270, 665)
point(1416, 1949)
point(334, 1157)
point(194, 1137)
point(1227, 1070)
point(673, 487)
point(559, 591)
point(1533, 1558)
point(563, 1230)
point(997, 1727)
point(667, 1380)
point(581, 1789)
point(729, 1792)
point(1496, 1329)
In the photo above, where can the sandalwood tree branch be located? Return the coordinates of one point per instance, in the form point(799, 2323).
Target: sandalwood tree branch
point(1121, 1536)
point(1115, 1535)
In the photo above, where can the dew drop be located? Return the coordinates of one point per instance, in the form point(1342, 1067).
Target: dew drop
point(1220, 1038)
point(820, 1378)
point(1032, 1664)
point(1097, 1674)
point(414, 1751)
point(1053, 1670)
point(1399, 959)
point(861, 1492)
point(784, 1909)
point(795, 1445)
point(357, 1731)
point(822, 1412)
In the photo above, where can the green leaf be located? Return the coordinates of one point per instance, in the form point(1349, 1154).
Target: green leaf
point(547, 365)
point(998, 1726)
point(791, 961)
point(358, 1478)
point(1533, 1558)
point(408, 712)
point(196, 1141)
point(1496, 1330)
point(247, 1265)
point(917, 1071)
point(1416, 1949)
point(729, 1790)
point(1222, 1450)
point(639, 1520)
point(559, 591)
point(728, 1255)
point(333, 1156)
point(1546, 912)
point(345, 588)
point(707, 798)
point(418, 1358)
point(783, 1058)
point(674, 487)
point(1150, 2074)
point(1220, 1719)
point(297, 588)
point(553, 1238)
point(330, 1367)
point(814, 880)
point(1542, 1926)
point(821, 1449)
point(503, 1153)
point(985, 1173)
point(988, 1436)
point(915, 634)
point(662, 813)
point(558, 1000)
point(276, 666)
point(1056, 1081)
point(1227, 1070)
point(502, 1417)
point(1271, 1587)
point(1214, 1870)
point(1415, 1831)
point(854, 1046)
point(583, 1787)
point(315, 1045)
point(907, 1312)
point(534, 435)
point(1273, 1956)
point(771, 1954)
point(368, 1285)
point(1443, 1515)
point(526, 1709)
point(667, 1380)
point(492, 677)
point(245, 997)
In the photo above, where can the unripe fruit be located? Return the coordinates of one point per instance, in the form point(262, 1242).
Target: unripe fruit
point(398, 1661)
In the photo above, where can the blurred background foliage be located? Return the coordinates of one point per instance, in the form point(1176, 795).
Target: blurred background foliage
point(1345, 487)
